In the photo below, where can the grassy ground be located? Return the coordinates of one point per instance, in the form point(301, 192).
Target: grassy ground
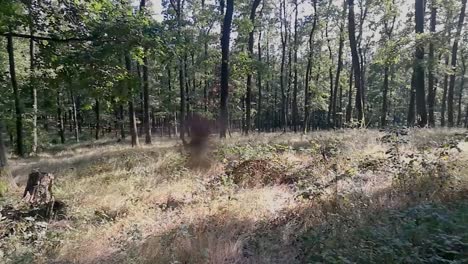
point(331, 197)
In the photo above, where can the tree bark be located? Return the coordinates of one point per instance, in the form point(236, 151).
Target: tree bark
point(383, 118)
point(225, 39)
point(284, 43)
point(421, 110)
point(432, 88)
point(349, 107)
point(259, 84)
point(451, 90)
point(309, 71)
point(98, 118)
point(60, 125)
point(356, 63)
point(295, 108)
point(32, 82)
point(74, 116)
point(412, 103)
point(339, 67)
point(460, 94)
point(248, 95)
point(131, 109)
point(18, 105)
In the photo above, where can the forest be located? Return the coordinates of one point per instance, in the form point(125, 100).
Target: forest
point(233, 131)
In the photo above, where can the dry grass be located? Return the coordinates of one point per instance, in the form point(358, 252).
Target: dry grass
point(147, 206)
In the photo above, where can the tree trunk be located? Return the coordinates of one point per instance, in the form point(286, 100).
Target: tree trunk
point(98, 118)
point(412, 103)
point(444, 95)
point(451, 90)
point(18, 106)
point(74, 116)
point(131, 108)
point(349, 107)
point(146, 105)
point(259, 84)
point(432, 88)
point(460, 94)
point(356, 63)
point(61, 128)
point(339, 67)
point(309, 71)
point(122, 122)
point(295, 108)
point(248, 95)
point(33, 89)
point(419, 68)
point(383, 118)
point(284, 42)
point(225, 39)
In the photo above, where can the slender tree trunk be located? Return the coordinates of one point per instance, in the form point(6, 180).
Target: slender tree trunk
point(33, 91)
point(131, 107)
point(356, 63)
point(122, 122)
point(309, 71)
point(61, 128)
point(248, 95)
point(383, 118)
point(259, 84)
point(18, 104)
point(225, 39)
point(412, 103)
point(451, 90)
point(419, 68)
point(466, 116)
point(146, 104)
point(432, 88)
point(74, 116)
point(295, 108)
point(349, 107)
point(444, 96)
point(339, 67)
point(98, 118)
point(460, 94)
point(284, 42)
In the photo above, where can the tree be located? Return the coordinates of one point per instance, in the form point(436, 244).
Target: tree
point(309, 69)
point(225, 40)
point(390, 16)
point(339, 67)
point(451, 90)
point(248, 95)
point(131, 105)
point(421, 110)
point(18, 104)
point(431, 86)
point(146, 106)
point(356, 63)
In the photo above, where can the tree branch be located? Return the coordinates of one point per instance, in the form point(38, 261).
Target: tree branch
point(27, 36)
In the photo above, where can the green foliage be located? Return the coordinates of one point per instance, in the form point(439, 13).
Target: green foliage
point(429, 233)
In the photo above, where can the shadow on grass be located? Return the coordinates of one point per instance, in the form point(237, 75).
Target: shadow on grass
point(386, 227)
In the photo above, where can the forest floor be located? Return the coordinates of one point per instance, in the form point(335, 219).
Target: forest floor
point(348, 196)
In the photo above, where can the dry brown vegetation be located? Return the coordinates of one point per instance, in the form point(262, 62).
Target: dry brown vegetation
point(256, 203)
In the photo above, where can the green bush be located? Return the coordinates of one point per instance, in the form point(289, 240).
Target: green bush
point(423, 234)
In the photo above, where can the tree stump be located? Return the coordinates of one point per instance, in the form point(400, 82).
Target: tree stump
point(38, 190)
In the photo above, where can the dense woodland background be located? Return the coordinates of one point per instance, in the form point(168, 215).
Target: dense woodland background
point(74, 70)
point(83, 82)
